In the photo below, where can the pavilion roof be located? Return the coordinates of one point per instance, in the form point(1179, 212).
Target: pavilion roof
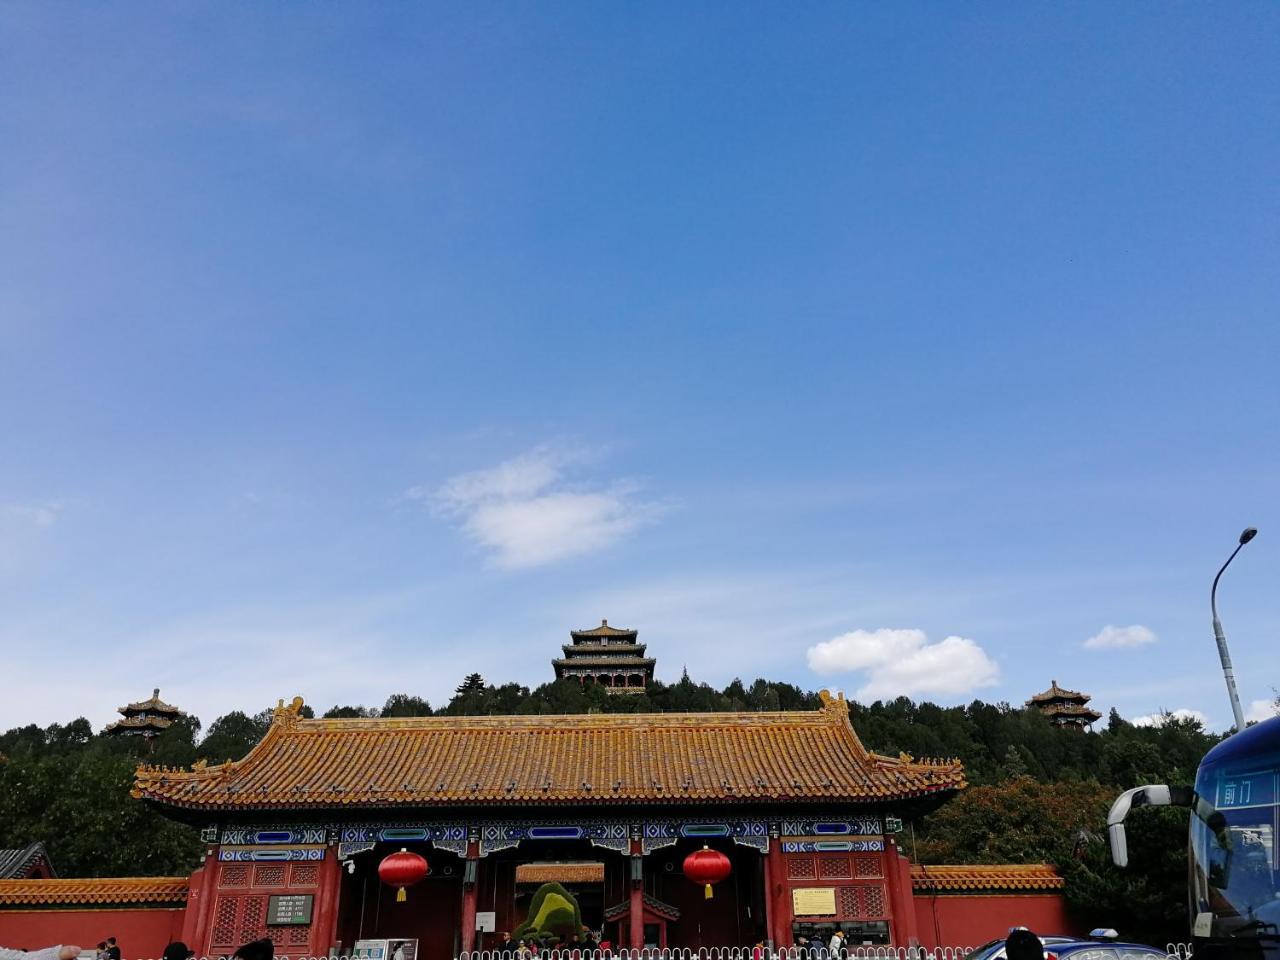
point(985, 877)
point(95, 890)
point(139, 723)
point(604, 630)
point(603, 661)
point(152, 705)
point(588, 648)
point(584, 760)
point(1071, 710)
point(19, 863)
point(1056, 692)
point(652, 904)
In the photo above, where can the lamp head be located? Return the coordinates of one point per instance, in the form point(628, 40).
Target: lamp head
point(1249, 534)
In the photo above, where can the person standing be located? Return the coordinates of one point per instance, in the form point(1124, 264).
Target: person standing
point(1022, 944)
point(113, 949)
point(262, 949)
point(835, 949)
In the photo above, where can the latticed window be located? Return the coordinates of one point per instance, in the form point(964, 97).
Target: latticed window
point(801, 868)
point(867, 865)
point(224, 923)
point(834, 868)
point(848, 905)
point(234, 875)
point(253, 915)
point(305, 875)
point(873, 900)
point(861, 902)
point(299, 936)
point(269, 875)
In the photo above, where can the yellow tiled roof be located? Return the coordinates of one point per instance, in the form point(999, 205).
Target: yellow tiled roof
point(560, 873)
point(153, 705)
point(1056, 692)
point(587, 760)
point(604, 630)
point(985, 877)
point(95, 890)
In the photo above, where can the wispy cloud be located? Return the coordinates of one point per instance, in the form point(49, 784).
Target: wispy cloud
point(904, 662)
point(1114, 638)
point(531, 511)
point(1260, 710)
point(36, 514)
point(1164, 716)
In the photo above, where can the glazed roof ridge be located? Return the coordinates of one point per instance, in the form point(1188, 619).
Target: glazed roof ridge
point(466, 761)
point(998, 876)
point(604, 630)
point(96, 890)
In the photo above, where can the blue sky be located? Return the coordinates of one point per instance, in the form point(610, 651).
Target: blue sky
point(347, 349)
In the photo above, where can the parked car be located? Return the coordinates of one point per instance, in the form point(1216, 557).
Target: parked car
point(1099, 945)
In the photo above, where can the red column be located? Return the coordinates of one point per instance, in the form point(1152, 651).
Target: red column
point(324, 923)
point(637, 895)
point(204, 908)
point(902, 904)
point(777, 896)
point(470, 867)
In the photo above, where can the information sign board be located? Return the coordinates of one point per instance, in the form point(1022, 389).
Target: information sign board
point(289, 909)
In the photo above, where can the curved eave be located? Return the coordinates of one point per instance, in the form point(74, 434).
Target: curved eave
point(929, 796)
point(755, 770)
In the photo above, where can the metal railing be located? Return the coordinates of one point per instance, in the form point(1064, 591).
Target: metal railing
point(1175, 951)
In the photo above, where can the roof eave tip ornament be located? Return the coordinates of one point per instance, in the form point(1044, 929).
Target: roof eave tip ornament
point(287, 716)
point(836, 704)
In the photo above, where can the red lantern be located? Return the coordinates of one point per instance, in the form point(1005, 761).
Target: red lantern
point(707, 866)
point(401, 870)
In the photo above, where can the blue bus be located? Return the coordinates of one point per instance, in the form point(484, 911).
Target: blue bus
point(1233, 874)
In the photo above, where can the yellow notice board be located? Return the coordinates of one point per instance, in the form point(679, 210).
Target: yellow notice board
point(813, 901)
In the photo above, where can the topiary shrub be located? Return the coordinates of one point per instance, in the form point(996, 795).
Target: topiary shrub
point(553, 912)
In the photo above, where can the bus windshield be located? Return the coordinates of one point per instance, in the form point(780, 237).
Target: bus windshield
point(1235, 876)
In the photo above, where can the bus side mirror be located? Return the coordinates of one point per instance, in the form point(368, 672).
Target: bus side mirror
point(1153, 795)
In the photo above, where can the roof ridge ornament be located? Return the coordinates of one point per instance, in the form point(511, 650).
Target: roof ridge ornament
point(289, 716)
point(837, 705)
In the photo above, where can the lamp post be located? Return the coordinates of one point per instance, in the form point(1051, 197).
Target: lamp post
point(1248, 534)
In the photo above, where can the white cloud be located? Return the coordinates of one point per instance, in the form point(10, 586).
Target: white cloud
point(1260, 710)
point(1164, 716)
point(1111, 638)
point(36, 514)
point(905, 663)
point(527, 513)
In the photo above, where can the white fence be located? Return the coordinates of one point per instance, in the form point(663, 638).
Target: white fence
point(1175, 951)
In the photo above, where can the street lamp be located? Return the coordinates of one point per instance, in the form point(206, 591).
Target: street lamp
point(1223, 655)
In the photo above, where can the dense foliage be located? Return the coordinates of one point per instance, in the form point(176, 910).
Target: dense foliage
point(1038, 793)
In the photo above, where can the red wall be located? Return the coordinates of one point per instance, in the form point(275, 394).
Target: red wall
point(971, 921)
point(142, 932)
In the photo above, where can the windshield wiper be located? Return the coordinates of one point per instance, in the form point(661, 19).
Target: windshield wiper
point(1255, 928)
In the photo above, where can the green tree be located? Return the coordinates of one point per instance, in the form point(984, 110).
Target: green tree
point(404, 705)
point(233, 735)
point(349, 713)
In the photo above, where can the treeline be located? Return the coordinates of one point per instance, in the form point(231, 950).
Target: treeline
point(1038, 793)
